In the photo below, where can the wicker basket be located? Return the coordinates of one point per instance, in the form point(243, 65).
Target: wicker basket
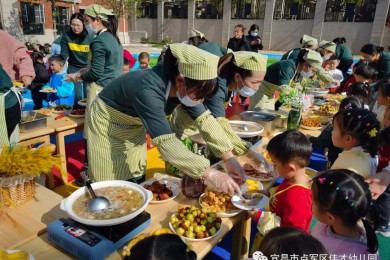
point(17, 189)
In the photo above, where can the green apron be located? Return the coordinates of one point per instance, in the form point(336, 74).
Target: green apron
point(3, 125)
point(264, 97)
point(116, 144)
point(184, 126)
point(93, 90)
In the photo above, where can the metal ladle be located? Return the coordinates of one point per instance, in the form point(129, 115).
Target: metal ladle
point(97, 203)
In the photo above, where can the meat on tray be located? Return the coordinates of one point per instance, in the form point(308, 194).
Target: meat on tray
point(255, 173)
point(160, 191)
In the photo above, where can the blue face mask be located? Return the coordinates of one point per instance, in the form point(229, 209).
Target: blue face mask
point(187, 101)
point(245, 91)
point(253, 34)
point(90, 29)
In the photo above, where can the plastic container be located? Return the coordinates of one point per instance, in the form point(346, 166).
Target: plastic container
point(192, 187)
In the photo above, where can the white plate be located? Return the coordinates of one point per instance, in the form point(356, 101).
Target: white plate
point(46, 91)
point(30, 256)
point(236, 200)
point(242, 132)
point(75, 115)
point(311, 128)
point(82, 104)
point(175, 190)
point(58, 112)
point(232, 213)
point(194, 239)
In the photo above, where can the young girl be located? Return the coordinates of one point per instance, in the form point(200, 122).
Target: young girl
point(363, 92)
point(341, 201)
point(383, 99)
point(324, 140)
point(355, 131)
point(384, 158)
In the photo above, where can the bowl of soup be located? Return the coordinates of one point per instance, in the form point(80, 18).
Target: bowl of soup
point(127, 200)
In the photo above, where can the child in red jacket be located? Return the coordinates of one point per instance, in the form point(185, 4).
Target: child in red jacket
point(290, 205)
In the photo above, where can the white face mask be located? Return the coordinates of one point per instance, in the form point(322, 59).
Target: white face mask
point(187, 101)
point(326, 57)
point(90, 29)
point(245, 91)
point(253, 34)
point(307, 74)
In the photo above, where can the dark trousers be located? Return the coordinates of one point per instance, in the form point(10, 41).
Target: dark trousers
point(12, 117)
point(384, 208)
point(349, 12)
point(38, 98)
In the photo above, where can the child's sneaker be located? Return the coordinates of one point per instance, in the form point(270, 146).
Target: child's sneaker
point(384, 231)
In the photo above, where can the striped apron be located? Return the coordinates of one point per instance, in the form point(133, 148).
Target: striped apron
point(93, 90)
point(182, 124)
point(264, 97)
point(116, 144)
point(14, 137)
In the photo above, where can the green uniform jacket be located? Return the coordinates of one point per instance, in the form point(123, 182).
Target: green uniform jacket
point(5, 86)
point(293, 54)
point(107, 60)
point(281, 72)
point(76, 48)
point(383, 65)
point(343, 52)
point(141, 93)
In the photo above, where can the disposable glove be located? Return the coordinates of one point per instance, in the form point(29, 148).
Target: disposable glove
point(222, 181)
point(235, 170)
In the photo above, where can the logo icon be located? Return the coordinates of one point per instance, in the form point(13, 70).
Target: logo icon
point(259, 256)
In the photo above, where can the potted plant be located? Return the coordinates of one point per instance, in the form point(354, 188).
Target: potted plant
point(295, 101)
point(19, 165)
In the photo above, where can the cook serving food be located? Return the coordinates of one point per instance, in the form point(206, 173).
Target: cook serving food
point(139, 101)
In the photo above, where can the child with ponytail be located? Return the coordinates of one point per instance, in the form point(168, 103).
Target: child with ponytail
point(341, 203)
point(355, 131)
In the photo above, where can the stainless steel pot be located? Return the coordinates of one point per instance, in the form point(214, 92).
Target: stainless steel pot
point(67, 203)
point(281, 117)
point(268, 121)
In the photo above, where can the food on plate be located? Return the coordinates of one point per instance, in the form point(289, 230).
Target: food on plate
point(44, 111)
point(27, 119)
point(123, 201)
point(251, 171)
point(328, 108)
point(47, 90)
point(160, 191)
point(14, 254)
point(84, 100)
point(195, 223)
point(61, 108)
point(311, 123)
point(17, 84)
point(252, 185)
point(218, 202)
point(78, 112)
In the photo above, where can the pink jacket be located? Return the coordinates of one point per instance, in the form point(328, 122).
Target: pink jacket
point(14, 58)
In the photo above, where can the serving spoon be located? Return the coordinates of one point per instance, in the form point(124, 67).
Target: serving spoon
point(97, 203)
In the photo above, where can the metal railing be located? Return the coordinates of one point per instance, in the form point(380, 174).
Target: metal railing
point(294, 9)
point(254, 9)
point(350, 11)
point(33, 28)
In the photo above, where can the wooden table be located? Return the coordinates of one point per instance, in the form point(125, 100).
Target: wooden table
point(28, 221)
point(63, 127)
point(36, 137)
point(27, 228)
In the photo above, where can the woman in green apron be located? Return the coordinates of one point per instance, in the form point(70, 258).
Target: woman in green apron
point(10, 108)
point(106, 51)
point(139, 101)
point(284, 75)
point(248, 67)
point(307, 42)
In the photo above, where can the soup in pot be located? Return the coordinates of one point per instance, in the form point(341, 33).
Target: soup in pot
point(123, 201)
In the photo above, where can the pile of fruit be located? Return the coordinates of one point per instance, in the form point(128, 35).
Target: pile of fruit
point(195, 223)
